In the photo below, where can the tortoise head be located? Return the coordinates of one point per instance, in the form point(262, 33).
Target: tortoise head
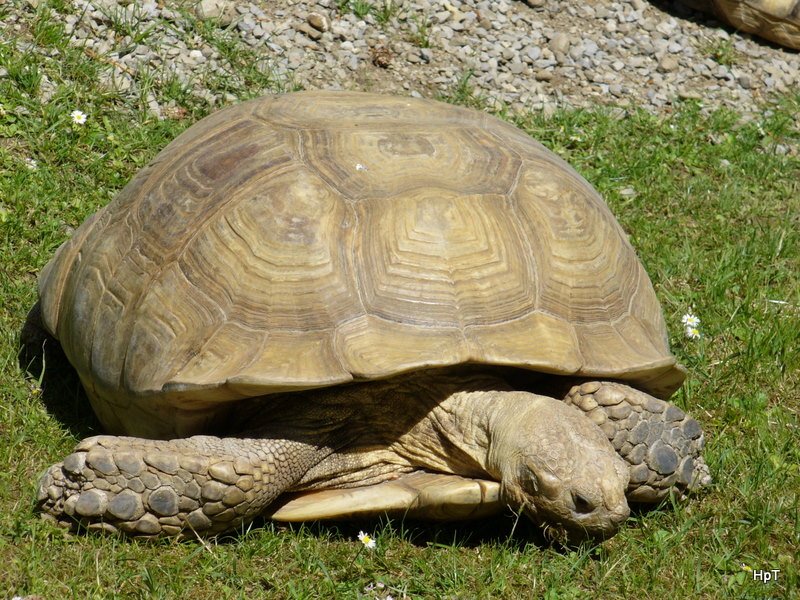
point(558, 468)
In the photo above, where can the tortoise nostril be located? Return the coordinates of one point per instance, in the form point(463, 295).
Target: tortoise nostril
point(582, 505)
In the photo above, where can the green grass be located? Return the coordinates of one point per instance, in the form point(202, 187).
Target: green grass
point(712, 205)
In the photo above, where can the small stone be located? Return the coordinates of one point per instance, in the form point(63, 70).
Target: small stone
point(91, 503)
point(223, 11)
point(318, 21)
point(312, 33)
point(668, 64)
point(516, 67)
point(533, 53)
point(442, 16)
point(559, 43)
point(163, 501)
point(689, 95)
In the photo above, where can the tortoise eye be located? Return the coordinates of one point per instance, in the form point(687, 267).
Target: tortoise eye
point(582, 505)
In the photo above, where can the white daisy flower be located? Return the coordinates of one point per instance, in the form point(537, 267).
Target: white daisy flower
point(689, 320)
point(366, 539)
point(78, 117)
point(693, 333)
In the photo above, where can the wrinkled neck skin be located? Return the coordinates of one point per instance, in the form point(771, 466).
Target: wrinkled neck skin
point(433, 421)
point(467, 432)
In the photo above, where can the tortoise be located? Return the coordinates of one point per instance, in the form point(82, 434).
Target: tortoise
point(775, 20)
point(332, 304)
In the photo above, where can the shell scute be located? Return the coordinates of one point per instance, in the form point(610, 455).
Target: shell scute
point(311, 239)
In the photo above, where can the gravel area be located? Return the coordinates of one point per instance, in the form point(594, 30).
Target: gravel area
point(537, 55)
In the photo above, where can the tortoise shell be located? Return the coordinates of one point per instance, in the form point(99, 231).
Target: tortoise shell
point(317, 238)
point(775, 20)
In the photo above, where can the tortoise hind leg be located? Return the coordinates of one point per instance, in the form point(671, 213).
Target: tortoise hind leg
point(659, 441)
point(201, 485)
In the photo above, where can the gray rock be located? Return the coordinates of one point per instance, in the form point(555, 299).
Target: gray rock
point(223, 11)
point(668, 64)
point(560, 43)
point(318, 21)
point(620, 47)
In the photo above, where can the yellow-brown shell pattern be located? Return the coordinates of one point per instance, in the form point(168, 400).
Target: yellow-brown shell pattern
point(310, 239)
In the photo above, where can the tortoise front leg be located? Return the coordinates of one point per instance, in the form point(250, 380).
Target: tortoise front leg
point(201, 485)
point(661, 443)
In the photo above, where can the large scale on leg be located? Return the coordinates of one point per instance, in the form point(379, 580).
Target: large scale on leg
point(342, 291)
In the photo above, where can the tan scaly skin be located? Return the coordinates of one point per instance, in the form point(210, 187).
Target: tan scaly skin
point(553, 463)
